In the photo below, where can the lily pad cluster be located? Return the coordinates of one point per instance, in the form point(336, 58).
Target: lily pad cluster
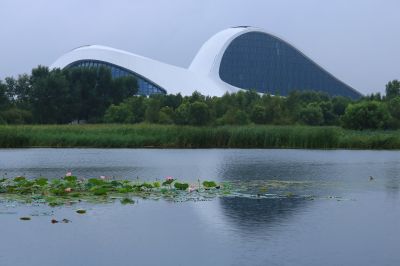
point(71, 189)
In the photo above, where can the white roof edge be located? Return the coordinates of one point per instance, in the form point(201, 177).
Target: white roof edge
point(171, 78)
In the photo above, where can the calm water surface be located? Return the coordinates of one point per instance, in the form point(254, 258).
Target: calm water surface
point(352, 221)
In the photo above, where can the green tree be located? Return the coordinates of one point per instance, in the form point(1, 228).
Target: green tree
point(152, 110)
point(393, 89)
point(82, 83)
point(18, 90)
point(4, 100)
point(199, 113)
point(50, 97)
point(258, 114)
point(234, 117)
point(329, 117)
point(394, 109)
point(339, 105)
point(138, 106)
point(166, 115)
point(123, 87)
point(118, 114)
point(366, 115)
point(182, 114)
point(311, 115)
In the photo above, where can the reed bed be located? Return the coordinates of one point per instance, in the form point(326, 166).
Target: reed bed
point(172, 136)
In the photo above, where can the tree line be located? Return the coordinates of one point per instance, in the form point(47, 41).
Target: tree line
point(62, 96)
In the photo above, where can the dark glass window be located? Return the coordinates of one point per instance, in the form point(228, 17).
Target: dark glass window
point(145, 86)
point(267, 64)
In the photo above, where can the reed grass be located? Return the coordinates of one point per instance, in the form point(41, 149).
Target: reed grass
point(172, 136)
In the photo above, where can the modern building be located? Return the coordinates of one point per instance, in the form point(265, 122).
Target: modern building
point(238, 58)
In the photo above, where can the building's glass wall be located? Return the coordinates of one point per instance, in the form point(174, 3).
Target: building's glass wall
point(265, 63)
point(145, 87)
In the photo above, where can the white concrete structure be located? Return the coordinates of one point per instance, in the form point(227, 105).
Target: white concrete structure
point(203, 75)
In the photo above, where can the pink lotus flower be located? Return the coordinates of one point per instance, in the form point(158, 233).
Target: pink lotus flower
point(103, 177)
point(68, 174)
point(68, 189)
point(169, 178)
point(192, 188)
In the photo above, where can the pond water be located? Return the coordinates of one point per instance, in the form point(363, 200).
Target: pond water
point(350, 221)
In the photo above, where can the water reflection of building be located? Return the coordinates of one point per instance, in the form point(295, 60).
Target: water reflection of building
point(251, 215)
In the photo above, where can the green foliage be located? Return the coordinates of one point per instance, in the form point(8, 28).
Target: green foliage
point(152, 110)
point(118, 114)
point(366, 115)
point(181, 186)
point(95, 182)
point(70, 178)
point(41, 181)
point(168, 182)
point(4, 99)
point(135, 136)
point(91, 95)
point(234, 117)
point(311, 115)
point(61, 96)
point(99, 191)
point(393, 89)
point(209, 184)
point(62, 191)
point(16, 116)
point(258, 114)
point(166, 115)
point(147, 185)
point(125, 189)
point(199, 113)
point(125, 201)
point(182, 114)
point(19, 179)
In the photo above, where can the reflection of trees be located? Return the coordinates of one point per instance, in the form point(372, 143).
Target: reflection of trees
point(252, 215)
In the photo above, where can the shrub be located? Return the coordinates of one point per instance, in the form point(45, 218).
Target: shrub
point(366, 115)
point(311, 115)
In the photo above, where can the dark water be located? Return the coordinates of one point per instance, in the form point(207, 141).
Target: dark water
point(352, 221)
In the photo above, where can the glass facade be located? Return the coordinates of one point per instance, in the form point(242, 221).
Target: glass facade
point(267, 64)
point(145, 87)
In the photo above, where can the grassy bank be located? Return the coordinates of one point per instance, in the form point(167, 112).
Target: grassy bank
point(135, 136)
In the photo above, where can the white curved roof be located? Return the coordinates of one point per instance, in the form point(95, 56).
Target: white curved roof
point(202, 75)
point(171, 78)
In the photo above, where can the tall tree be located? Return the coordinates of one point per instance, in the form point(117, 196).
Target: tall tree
point(393, 89)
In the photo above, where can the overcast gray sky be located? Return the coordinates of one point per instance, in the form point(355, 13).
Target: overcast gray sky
point(356, 40)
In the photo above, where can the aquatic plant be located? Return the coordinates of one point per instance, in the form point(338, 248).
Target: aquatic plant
point(181, 186)
point(209, 184)
point(71, 190)
point(125, 201)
